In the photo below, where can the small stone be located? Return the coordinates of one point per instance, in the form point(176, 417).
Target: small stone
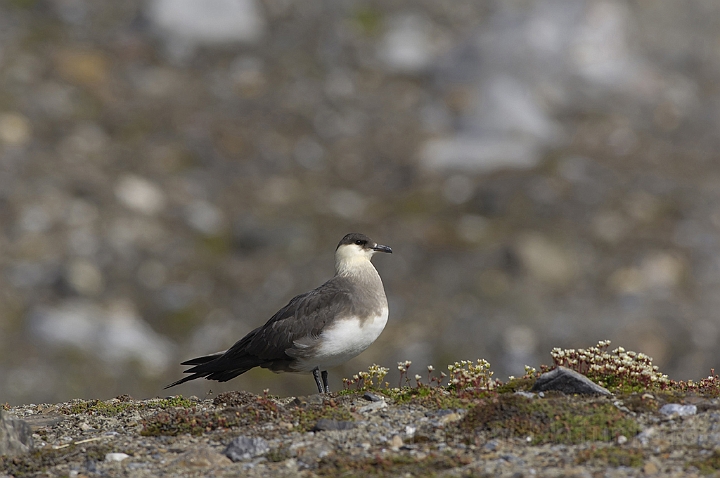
point(492, 445)
point(371, 397)
point(396, 442)
point(325, 424)
point(677, 409)
point(373, 406)
point(645, 435)
point(244, 448)
point(621, 439)
point(449, 418)
point(85, 277)
point(15, 129)
point(140, 195)
point(525, 394)
point(650, 468)
point(116, 456)
point(568, 381)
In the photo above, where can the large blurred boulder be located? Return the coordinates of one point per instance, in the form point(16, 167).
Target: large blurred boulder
point(15, 436)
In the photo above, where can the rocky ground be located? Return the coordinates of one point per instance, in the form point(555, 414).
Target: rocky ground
point(417, 431)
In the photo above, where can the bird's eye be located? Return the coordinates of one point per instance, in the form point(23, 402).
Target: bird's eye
point(359, 242)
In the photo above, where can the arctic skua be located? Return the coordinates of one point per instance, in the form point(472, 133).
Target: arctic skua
point(316, 330)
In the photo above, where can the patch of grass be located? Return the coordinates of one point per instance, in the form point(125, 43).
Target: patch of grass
point(550, 420)
point(39, 461)
point(612, 456)
point(394, 465)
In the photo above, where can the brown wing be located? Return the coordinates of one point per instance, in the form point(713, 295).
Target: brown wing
point(266, 346)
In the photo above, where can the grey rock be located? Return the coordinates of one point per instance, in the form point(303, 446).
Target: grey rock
point(15, 436)
point(371, 397)
point(244, 448)
point(568, 381)
point(44, 420)
point(372, 406)
point(677, 409)
point(325, 424)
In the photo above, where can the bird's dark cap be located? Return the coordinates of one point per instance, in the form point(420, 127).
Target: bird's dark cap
point(364, 241)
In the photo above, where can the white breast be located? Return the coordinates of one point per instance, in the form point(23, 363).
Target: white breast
point(345, 339)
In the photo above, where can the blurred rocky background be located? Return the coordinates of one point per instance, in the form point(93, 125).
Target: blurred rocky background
point(173, 171)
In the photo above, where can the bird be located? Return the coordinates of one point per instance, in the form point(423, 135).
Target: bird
point(317, 330)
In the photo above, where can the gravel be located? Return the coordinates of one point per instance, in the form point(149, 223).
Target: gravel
point(401, 438)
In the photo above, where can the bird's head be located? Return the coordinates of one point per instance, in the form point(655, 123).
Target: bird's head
point(354, 250)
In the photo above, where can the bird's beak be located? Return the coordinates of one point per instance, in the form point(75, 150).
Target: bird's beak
point(381, 248)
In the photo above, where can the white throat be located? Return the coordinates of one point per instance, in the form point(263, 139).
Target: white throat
point(351, 259)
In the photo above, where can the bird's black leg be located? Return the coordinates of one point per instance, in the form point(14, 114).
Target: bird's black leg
point(316, 376)
point(325, 382)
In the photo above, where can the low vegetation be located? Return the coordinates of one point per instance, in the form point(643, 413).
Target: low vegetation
point(483, 408)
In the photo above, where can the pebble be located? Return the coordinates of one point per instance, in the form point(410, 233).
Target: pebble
point(116, 456)
point(371, 397)
point(325, 424)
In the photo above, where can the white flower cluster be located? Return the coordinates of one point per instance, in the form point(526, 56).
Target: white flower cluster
point(404, 366)
point(625, 364)
point(368, 379)
point(466, 374)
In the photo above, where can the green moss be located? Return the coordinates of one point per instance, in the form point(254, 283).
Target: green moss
point(516, 385)
point(308, 415)
point(369, 20)
point(173, 402)
point(429, 397)
point(640, 402)
point(618, 383)
point(98, 407)
point(612, 456)
point(181, 421)
point(112, 408)
point(177, 421)
point(550, 420)
point(278, 454)
point(39, 461)
point(218, 245)
point(394, 465)
point(709, 465)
